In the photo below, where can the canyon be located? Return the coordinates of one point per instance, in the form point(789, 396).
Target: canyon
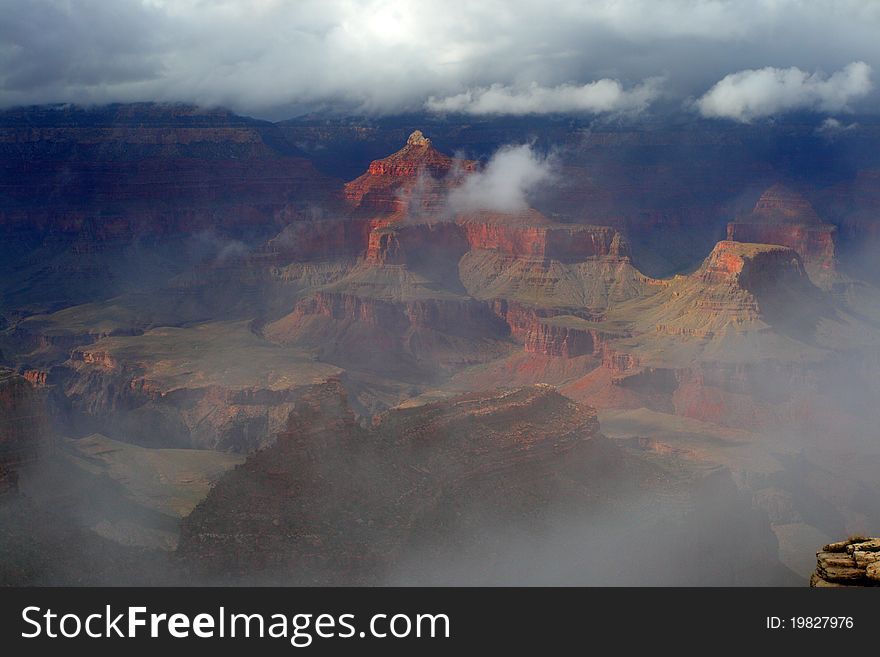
point(260, 371)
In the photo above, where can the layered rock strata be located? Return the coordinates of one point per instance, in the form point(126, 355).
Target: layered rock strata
point(782, 216)
point(852, 562)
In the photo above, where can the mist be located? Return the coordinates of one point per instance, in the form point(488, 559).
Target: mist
point(505, 183)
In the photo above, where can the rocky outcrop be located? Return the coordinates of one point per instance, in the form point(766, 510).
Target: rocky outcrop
point(424, 334)
point(404, 195)
point(619, 362)
point(465, 484)
point(557, 332)
point(411, 182)
point(308, 508)
point(23, 427)
point(733, 343)
point(33, 334)
point(528, 236)
point(586, 289)
point(531, 235)
point(782, 216)
point(563, 340)
point(781, 204)
point(737, 285)
point(165, 388)
point(815, 244)
point(414, 300)
point(853, 562)
point(123, 400)
point(740, 264)
point(344, 307)
point(416, 244)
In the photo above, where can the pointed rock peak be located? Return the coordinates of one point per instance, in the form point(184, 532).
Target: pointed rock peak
point(783, 204)
point(418, 139)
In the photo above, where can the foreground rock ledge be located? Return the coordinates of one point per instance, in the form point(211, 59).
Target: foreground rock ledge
point(853, 562)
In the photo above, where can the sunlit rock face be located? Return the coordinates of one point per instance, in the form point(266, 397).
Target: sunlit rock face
point(745, 341)
point(413, 181)
point(851, 562)
point(431, 288)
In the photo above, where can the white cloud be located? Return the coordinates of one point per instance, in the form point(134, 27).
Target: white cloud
point(754, 94)
point(600, 96)
point(505, 183)
point(277, 58)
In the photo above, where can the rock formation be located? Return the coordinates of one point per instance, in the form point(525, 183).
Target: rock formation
point(91, 195)
point(308, 508)
point(164, 389)
point(178, 278)
point(746, 333)
point(411, 182)
point(853, 562)
point(782, 216)
point(148, 169)
point(738, 284)
point(432, 286)
point(23, 427)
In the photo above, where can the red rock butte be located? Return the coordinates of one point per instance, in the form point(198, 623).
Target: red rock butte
point(417, 168)
point(784, 217)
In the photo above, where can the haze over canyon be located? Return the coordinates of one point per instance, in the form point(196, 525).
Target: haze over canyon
point(517, 296)
point(482, 358)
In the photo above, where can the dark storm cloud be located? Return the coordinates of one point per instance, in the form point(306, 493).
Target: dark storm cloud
point(274, 58)
point(71, 50)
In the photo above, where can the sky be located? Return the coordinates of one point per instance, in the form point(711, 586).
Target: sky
point(742, 61)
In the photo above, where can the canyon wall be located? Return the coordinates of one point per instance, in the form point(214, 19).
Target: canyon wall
point(24, 424)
